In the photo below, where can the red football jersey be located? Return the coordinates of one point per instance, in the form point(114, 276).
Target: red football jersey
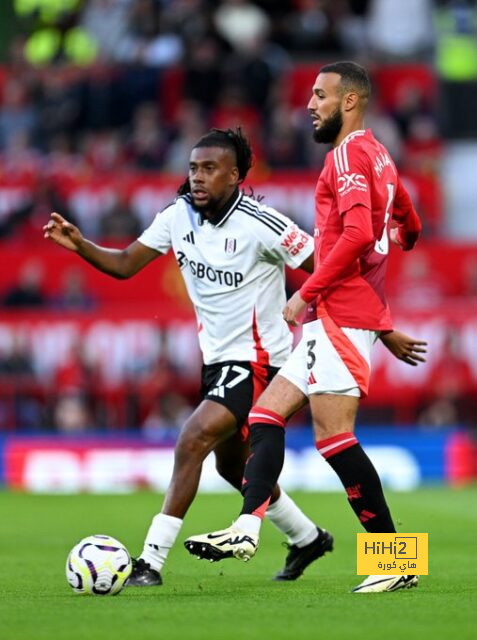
point(357, 173)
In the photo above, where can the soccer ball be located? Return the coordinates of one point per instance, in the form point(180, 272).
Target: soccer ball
point(98, 565)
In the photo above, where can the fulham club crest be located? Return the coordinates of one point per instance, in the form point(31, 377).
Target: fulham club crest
point(230, 245)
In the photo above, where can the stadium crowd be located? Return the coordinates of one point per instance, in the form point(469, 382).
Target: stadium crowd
point(155, 75)
point(93, 88)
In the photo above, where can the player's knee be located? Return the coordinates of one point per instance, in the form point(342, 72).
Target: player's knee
point(195, 439)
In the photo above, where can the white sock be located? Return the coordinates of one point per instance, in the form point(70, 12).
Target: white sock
point(161, 536)
point(291, 521)
point(249, 524)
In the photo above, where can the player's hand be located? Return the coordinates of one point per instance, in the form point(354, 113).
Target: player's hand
point(404, 347)
point(293, 308)
point(63, 232)
point(394, 235)
point(408, 244)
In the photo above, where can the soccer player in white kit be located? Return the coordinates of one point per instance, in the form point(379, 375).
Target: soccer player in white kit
point(232, 252)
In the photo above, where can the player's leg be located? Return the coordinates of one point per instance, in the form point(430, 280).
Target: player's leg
point(267, 421)
point(230, 458)
point(209, 425)
point(338, 360)
point(241, 391)
point(306, 541)
point(333, 422)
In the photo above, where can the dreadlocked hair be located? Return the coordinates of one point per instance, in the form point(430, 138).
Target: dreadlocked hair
point(226, 139)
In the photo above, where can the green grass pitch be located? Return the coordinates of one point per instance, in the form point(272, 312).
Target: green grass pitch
point(232, 600)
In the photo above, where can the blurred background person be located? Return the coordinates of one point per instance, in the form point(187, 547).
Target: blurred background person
point(29, 290)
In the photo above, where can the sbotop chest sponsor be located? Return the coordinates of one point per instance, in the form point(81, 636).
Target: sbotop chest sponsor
point(204, 271)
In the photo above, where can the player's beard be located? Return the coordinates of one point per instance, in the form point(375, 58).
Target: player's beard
point(210, 207)
point(330, 128)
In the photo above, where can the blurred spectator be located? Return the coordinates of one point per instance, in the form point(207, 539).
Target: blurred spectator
point(57, 105)
point(106, 23)
point(17, 114)
point(441, 412)
point(148, 39)
point(63, 158)
point(28, 292)
point(456, 62)
point(190, 126)
point(400, 29)
point(30, 217)
point(285, 145)
point(16, 360)
point(448, 383)
point(311, 27)
point(71, 414)
point(203, 77)
point(385, 130)
point(417, 286)
point(77, 371)
point(100, 101)
point(104, 151)
point(21, 397)
point(423, 147)
point(167, 417)
point(233, 108)
point(191, 18)
point(410, 102)
point(148, 140)
point(73, 295)
point(351, 25)
point(241, 22)
point(119, 223)
point(257, 69)
point(55, 34)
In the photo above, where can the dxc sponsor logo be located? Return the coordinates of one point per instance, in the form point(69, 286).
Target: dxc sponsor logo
point(349, 181)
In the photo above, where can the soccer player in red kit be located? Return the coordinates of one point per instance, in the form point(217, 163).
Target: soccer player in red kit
point(357, 195)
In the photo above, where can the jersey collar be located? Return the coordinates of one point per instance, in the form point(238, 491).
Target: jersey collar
point(358, 132)
point(225, 212)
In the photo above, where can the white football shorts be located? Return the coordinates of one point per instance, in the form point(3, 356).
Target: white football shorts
point(331, 359)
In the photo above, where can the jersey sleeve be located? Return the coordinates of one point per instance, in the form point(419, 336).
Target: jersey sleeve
point(405, 216)
point(158, 235)
point(353, 177)
point(356, 237)
point(282, 239)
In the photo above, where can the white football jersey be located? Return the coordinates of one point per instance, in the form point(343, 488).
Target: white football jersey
point(234, 272)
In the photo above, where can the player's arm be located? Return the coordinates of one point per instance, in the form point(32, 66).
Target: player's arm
point(356, 237)
point(404, 347)
point(119, 263)
point(409, 225)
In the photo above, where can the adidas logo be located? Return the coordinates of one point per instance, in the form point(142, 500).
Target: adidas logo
point(189, 238)
point(218, 391)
